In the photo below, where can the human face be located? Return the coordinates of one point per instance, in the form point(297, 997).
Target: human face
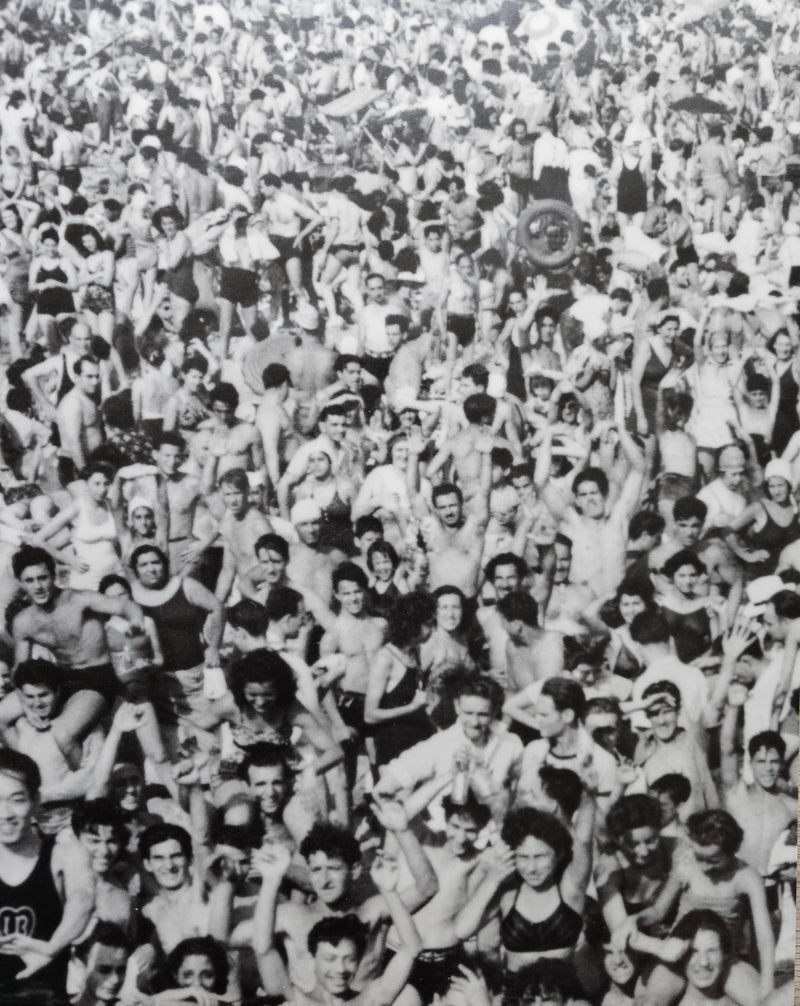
point(330, 877)
point(461, 832)
point(536, 862)
point(89, 379)
point(80, 339)
point(128, 792)
point(718, 349)
point(97, 484)
point(5, 679)
point(775, 626)
point(143, 522)
point(449, 612)
point(757, 400)
point(9, 220)
point(106, 972)
point(665, 722)
point(449, 509)
point(732, 476)
point(260, 696)
point(630, 605)
point(782, 347)
point(89, 243)
point(270, 785)
point(778, 489)
point(49, 248)
point(400, 455)
point(706, 960)
point(223, 412)
point(37, 584)
point(196, 971)
point(376, 291)
point(640, 846)
point(668, 332)
point(351, 376)
point(103, 846)
point(168, 864)
point(273, 566)
point(563, 562)
point(169, 226)
point(517, 303)
point(192, 380)
point(336, 966)
point(433, 241)
point(618, 966)
point(550, 722)
point(168, 458)
point(589, 500)
point(351, 597)
point(336, 427)
point(308, 532)
point(685, 580)
point(687, 531)
point(394, 336)
point(547, 330)
point(151, 571)
point(475, 716)
point(766, 764)
point(17, 806)
point(382, 567)
point(235, 499)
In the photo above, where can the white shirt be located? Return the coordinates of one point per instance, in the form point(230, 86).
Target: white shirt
point(690, 682)
point(723, 503)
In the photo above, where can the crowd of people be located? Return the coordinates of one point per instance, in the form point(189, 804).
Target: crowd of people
point(399, 533)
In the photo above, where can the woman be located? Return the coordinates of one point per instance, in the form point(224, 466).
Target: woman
point(96, 279)
point(15, 259)
point(768, 524)
point(623, 654)
point(712, 380)
point(541, 915)
point(632, 174)
point(51, 279)
point(691, 617)
point(186, 409)
point(643, 862)
point(395, 700)
point(653, 359)
point(333, 495)
point(384, 591)
point(384, 492)
point(176, 261)
point(446, 648)
point(141, 255)
point(94, 531)
point(787, 366)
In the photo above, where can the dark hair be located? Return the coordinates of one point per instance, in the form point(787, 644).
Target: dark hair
point(141, 550)
point(106, 934)
point(408, 615)
point(771, 740)
point(562, 785)
point(715, 827)
point(43, 673)
point(472, 808)
point(689, 506)
point(477, 373)
point(663, 688)
point(786, 604)
point(268, 754)
point(519, 606)
point(235, 477)
point(332, 840)
point(684, 557)
point(169, 440)
point(334, 929)
point(249, 615)
point(446, 489)
point(703, 919)
point(225, 393)
point(28, 556)
point(366, 524)
point(650, 627)
point(565, 694)
point(89, 815)
point(275, 375)
point(505, 559)
point(163, 831)
point(594, 476)
point(282, 601)
point(18, 764)
point(349, 572)
point(479, 407)
point(479, 686)
point(263, 667)
point(527, 822)
point(674, 784)
point(272, 543)
point(547, 977)
point(110, 579)
point(646, 522)
point(637, 810)
point(201, 946)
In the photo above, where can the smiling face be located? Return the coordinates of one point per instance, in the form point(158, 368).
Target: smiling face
point(97, 485)
point(103, 845)
point(630, 605)
point(17, 807)
point(640, 845)
point(168, 458)
point(351, 597)
point(449, 611)
point(664, 719)
point(475, 717)
point(37, 584)
point(448, 507)
point(461, 832)
point(106, 972)
point(151, 570)
point(336, 967)
point(270, 785)
point(535, 861)
point(196, 971)
point(330, 877)
point(168, 864)
point(766, 764)
point(618, 966)
point(260, 696)
point(685, 579)
point(706, 963)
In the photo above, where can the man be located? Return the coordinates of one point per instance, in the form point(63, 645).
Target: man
point(104, 957)
point(278, 436)
point(80, 422)
point(505, 573)
point(239, 444)
point(240, 528)
point(99, 826)
point(531, 653)
point(568, 601)
point(337, 945)
point(565, 744)
point(69, 624)
point(723, 495)
point(332, 855)
point(272, 553)
point(374, 346)
point(463, 450)
point(477, 739)
point(59, 369)
point(284, 815)
point(177, 910)
point(454, 541)
point(46, 893)
point(311, 566)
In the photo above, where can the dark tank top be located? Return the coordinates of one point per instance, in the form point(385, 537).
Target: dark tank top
point(33, 908)
point(559, 931)
point(180, 625)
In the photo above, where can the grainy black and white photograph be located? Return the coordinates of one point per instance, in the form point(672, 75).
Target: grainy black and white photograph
point(399, 488)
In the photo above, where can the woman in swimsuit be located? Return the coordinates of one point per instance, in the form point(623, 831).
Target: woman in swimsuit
point(770, 524)
point(52, 279)
point(15, 258)
point(96, 279)
point(650, 365)
point(692, 617)
point(177, 262)
point(384, 589)
point(185, 410)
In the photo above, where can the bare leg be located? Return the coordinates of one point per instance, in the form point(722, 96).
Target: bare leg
point(225, 320)
point(82, 712)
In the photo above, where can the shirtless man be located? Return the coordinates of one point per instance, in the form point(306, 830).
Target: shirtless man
point(286, 216)
point(309, 566)
point(178, 497)
point(568, 601)
point(239, 442)
point(66, 623)
point(332, 855)
point(278, 437)
point(531, 653)
point(80, 422)
point(46, 889)
point(240, 528)
point(357, 636)
point(272, 553)
point(177, 911)
point(338, 263)
point(454, 541)
point(50, 380)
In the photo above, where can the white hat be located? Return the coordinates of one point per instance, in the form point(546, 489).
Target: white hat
point(305, 511)
point(777, 468)
point(307, 317)
point(136, 504)
point(759, 593)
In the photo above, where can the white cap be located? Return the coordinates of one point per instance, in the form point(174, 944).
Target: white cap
point(304, 511)
point(137, 503)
